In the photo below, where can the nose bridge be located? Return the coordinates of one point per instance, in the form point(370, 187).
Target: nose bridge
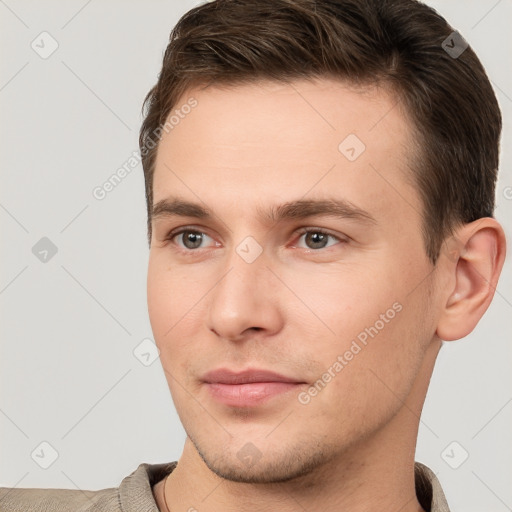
point(245, 267)
point(242, 298)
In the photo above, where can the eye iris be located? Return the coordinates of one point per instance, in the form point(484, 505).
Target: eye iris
point(318, 239)
point(191, 239)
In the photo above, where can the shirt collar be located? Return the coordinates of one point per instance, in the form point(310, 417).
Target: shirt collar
point(136, 495)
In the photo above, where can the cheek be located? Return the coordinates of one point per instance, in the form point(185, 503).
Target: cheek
point(160, 297)
point(174, 306)
point(347, 297)
point(375, 325)
point(165, 308)
point(381, 359)
point(171, 293)
point(366, 378)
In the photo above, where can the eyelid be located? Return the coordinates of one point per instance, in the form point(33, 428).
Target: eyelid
point(176, 231)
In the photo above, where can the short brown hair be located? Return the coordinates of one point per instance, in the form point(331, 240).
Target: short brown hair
point(391, 42)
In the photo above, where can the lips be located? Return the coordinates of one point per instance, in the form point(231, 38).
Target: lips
point(225, 376)
point(248, 388)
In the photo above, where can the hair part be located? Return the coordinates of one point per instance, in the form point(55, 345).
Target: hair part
point(393, 43)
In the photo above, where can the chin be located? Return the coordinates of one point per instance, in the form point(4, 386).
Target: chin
point(254, 466)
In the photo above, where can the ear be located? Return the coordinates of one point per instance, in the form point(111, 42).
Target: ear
point(477, 260)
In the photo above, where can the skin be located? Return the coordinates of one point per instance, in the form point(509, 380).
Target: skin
point(297, 307)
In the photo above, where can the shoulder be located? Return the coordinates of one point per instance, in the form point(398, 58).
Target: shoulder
point(133, 494)
point(428, 489)
point(58, 500)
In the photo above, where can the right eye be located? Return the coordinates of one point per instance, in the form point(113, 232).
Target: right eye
point(188, 239)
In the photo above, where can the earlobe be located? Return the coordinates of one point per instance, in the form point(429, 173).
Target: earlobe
point(476, 263)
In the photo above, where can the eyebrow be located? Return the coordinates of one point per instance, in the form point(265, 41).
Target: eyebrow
point(299, 209)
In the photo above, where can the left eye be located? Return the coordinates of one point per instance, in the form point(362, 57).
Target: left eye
point(317, 239)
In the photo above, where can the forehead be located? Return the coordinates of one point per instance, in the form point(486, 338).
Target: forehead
point(270, 141)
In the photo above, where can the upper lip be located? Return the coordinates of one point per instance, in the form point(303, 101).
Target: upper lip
point(226, 376)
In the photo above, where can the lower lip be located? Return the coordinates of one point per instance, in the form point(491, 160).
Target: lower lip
point(246, 395)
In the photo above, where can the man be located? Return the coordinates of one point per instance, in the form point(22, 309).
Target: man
point(320, 184)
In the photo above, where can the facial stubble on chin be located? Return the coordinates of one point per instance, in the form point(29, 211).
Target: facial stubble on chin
point(295, 465)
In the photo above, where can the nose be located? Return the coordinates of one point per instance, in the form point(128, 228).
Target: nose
point(245, 299)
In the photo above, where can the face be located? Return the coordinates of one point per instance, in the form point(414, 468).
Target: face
point(310, 264)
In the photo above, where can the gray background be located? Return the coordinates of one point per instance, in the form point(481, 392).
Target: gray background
point(68, 373)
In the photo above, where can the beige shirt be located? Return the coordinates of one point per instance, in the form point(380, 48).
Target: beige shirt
point(134, 494)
